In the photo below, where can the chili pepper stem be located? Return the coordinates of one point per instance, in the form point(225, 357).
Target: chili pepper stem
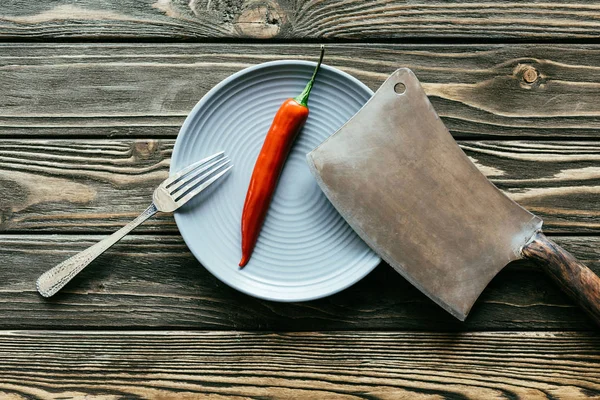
point(302, 98)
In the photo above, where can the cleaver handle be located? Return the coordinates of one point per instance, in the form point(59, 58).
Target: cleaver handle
point(577, 280)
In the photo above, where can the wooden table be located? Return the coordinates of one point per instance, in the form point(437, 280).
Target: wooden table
point(92, 94)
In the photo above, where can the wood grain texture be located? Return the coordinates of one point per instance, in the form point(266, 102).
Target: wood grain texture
point(323, 365)
point(304, 19)
point(154, 281)
point(81, 185)
point(557, 181)
point(146, 90)
point(106, 183)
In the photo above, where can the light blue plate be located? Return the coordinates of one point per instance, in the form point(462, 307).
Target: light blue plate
point(305, 250)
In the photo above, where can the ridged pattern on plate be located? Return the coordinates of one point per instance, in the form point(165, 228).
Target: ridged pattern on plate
point(305, 250)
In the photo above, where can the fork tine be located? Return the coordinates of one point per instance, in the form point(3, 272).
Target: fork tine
point(192, 175)
point(196, 178)
point(201, 187)
point(180, 174)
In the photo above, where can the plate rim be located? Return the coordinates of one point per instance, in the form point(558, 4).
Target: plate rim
point(185, 128)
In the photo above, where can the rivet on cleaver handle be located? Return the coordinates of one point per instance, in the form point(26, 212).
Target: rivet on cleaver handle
point(400, 180)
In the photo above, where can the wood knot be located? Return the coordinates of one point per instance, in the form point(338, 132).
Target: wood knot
point(261, 19)
point(530, 75)
point(144, 149)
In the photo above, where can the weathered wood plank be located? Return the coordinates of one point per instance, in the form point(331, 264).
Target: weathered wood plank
point(99, 185)
point(305, 19)
point(559, 181)
point(145, 90)
point(77, 185)
point(154, 281)
point(323, 365)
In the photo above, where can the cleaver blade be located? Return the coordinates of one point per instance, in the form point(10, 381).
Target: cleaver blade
point(401, 181)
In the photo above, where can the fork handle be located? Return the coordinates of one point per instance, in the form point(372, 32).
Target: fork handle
point(54, 279)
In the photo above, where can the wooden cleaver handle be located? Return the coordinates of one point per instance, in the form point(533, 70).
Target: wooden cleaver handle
point(577, 280)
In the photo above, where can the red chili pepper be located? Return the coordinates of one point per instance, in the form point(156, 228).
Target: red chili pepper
point(288, 121)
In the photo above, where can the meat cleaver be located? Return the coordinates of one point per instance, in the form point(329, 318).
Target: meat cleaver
point(397, 176)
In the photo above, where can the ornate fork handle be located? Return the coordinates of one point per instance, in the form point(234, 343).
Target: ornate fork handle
point(53, 280)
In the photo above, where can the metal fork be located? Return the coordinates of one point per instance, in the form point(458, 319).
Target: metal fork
point(169, 196)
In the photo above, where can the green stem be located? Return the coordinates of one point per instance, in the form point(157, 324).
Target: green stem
point(302, 98)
